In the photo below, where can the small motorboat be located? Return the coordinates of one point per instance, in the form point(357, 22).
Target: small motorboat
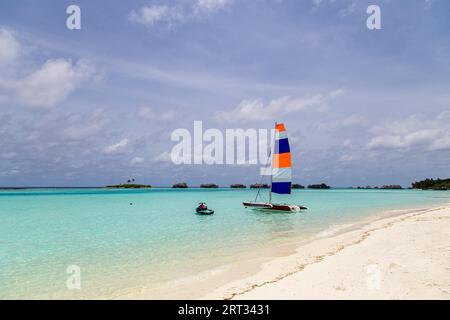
point(203, 209)
point(206, 212)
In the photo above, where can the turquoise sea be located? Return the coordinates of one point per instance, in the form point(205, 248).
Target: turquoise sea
point(121, 247)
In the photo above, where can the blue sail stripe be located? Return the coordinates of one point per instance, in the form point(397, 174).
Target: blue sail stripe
point(282, 146)
point(281, 187)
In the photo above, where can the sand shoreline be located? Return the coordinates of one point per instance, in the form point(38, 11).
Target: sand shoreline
point(405, 256)
point(355, 261)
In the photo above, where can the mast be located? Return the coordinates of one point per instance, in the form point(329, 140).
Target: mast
point(271, 176)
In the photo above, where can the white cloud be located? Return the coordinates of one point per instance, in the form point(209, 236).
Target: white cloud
point(441, 144)
point(349, 157)
point(163, 157)
point(137, 160)
point(52, 83)
point(149, 114)
point(210, 5)
point(8, 155)
point(414, 131)
point(82, 131)
point(320, 3)
point(117, 147)
point(79, 127)
point(429, 3)
point(317, 3)
point(353, 120)
point(404, 141)
point(346, 143)
point(47, 86)
point(152, 15)
point(9, 46)
point(10, 172)
point(256, 110)
point(349, 9)
point(170, 16)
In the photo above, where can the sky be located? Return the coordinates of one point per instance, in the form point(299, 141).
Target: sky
point(98, 106)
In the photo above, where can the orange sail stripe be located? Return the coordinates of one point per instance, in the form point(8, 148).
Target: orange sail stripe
point(280, 127)
point(282, 160)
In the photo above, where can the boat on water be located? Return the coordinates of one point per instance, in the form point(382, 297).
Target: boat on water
point(281, 175)
point(203, 209)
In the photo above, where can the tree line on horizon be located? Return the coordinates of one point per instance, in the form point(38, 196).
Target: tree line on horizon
point(432, 184)
point(130, 184)
point(427, 184)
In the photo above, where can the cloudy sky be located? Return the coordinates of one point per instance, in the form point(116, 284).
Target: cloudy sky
point(98, 105)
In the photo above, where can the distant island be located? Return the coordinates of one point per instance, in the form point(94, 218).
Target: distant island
point(260, 186)
point(432, 184)
point(427, 184)
point(392, 187)
point(319, 186)
point(181, 185)
point(209, 186)
point(129, 186)
point(388, 187)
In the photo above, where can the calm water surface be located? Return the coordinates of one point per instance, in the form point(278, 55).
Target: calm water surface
point(120, 247)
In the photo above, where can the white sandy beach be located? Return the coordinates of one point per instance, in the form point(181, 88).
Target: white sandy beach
point(402, 257)
point(399, 255)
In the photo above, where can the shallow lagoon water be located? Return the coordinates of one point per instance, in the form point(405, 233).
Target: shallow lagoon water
point(121, 247)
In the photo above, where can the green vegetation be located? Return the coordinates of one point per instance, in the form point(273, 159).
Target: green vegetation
point(238, 186)
point(181, 185)
point(389, 187)
point(259, 185)
point(129, 186)
point(297, 186)
point(392, 187)
point(209, 186)
point(432, 184)
point(318, 186)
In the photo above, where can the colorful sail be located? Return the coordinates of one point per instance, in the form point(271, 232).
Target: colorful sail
point(281, 162)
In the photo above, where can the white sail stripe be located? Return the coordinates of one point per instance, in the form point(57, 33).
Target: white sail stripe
point(281, 174)
point(280, 135)
point(281, 180)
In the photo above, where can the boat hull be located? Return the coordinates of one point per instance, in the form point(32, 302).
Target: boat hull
point(265, 206)
point(205, 212)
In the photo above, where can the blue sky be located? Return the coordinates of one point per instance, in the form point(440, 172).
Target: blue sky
point(97, 106)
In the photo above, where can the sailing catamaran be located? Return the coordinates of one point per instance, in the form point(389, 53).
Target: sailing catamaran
point(281, 175)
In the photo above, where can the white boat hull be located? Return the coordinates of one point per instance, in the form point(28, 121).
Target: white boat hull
point(266, 206)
